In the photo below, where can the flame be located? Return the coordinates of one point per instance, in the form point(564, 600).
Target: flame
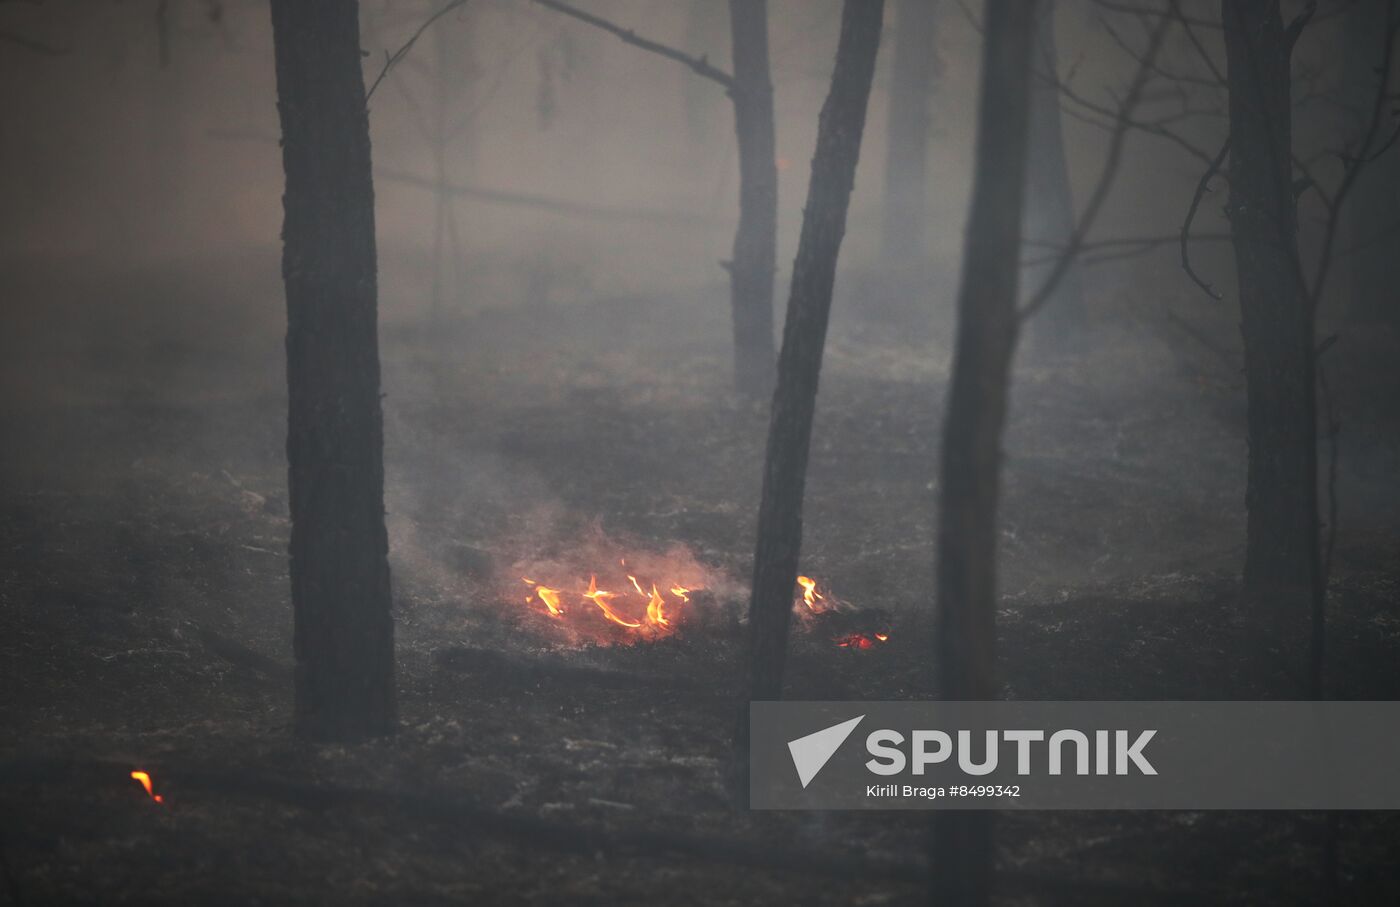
point(656, 609)
point(658, 616)
point(550, 597)
point(810, 595)
point(145, 780)
point(600, 598)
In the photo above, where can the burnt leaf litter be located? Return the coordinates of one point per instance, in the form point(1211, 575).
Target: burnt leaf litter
point(145, 624)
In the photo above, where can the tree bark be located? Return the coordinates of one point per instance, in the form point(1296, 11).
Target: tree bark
point(343, 631)
point(972, 430)
point(914, 73)
point(839, 133)
point(751, 271)
point(1049, 219)
point(1281, 569)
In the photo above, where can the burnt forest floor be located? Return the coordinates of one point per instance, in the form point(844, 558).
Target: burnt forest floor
point(145, 623)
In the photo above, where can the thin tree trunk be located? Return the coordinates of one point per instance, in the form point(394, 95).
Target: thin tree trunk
point(804, 335)
point(344, 634)
point(753, 265)
point(972, 429)
point(1049, 217)
point(914, 73)
point(1281, 557)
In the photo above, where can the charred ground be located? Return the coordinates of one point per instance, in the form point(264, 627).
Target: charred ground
point(145, 623)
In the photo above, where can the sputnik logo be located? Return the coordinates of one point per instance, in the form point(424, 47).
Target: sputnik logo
point(812, 752)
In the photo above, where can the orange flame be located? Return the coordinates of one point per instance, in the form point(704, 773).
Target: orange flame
point(145, 780)
point(658, 617)
point(810, 595)
point(600, 598)
point(656, 606)
point(550, 597)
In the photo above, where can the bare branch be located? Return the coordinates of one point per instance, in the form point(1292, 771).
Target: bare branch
point(699, 64)
point(1115, 119)
point(1359, 160)
point(1206, 58)
point(1215, 81)
point(1123, 122)
point(1149, 12)
point(557, 206)
point(391, 59)
point(1202, 188)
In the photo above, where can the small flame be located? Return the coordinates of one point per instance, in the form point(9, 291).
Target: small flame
point(656, 609)
point(550, 597)
point(145, 779)
point(661, 614)
point(600, 598)
point(810, 595)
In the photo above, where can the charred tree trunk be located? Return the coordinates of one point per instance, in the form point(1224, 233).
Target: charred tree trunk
point(915, 70)
point(344, 635)
point(1281, 569)
point(972, 429)
point(804, 335)
point(1049, 218)
point(756, 240)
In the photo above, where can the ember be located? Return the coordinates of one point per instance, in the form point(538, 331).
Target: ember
point(861, 640)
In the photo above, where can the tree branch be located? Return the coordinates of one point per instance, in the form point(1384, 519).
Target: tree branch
point(391, 59)
point(699, 64)
point(1356, 163)
point(1202, 188)
point(1123, 122)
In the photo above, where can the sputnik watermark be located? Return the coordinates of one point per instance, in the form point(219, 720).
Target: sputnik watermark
point(889, 759)
point(1075, 755)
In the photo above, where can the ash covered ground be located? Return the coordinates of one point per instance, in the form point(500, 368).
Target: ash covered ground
point(145, 621)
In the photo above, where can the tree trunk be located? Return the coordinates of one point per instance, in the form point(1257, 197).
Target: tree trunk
point(344, 634)
point(1049, 219)
point(804, 334)
point(972, 430)
point(1281, 557)
point(915, 71)
point(756, 240)
point(1373, 206)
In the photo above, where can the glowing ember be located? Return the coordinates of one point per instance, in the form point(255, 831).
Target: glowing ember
point(861, 640)
point(145, 780)
point(824, 613)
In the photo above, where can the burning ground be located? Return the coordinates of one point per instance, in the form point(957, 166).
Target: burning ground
point(145, 626)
